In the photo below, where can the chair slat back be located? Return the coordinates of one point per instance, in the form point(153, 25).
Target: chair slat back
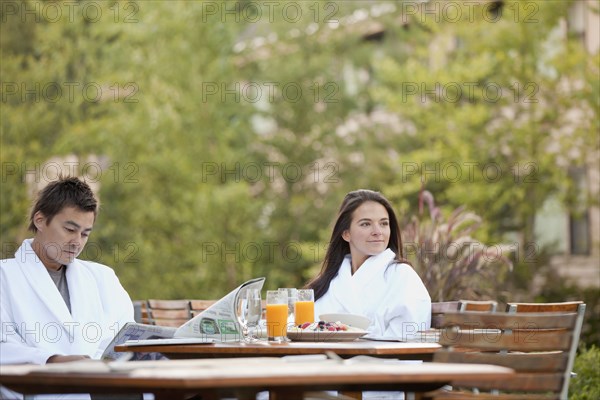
point(168, 304)
point(197, 306)
point(542, 384)
point(172, 313)
point(491, 320)
point(478, 305)
point(567, 306)
point(172, 322)
point(441, 307)
point(544, 362)
point(497, 340)
point(140, 312)
point(538, 345)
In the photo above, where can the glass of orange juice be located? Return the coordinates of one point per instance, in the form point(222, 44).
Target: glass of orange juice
point(305, 306)
point(277, 313)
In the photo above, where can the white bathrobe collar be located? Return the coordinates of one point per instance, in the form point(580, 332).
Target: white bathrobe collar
point(361, 279)
point(365, 272)
point(86, 306)
point(42, 283)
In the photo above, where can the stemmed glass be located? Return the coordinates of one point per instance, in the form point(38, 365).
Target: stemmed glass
point(249, 313)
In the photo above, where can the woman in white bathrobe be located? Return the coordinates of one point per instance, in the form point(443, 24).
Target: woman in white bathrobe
point(74, 317)
point(365, 273)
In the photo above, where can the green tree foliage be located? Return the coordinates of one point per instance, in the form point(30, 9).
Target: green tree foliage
point(223, 135)
point(489, 95)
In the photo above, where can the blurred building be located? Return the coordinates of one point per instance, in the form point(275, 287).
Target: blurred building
point(575, 234)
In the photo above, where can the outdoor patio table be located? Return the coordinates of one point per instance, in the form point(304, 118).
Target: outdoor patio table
point(262, 348)
point(214, 378)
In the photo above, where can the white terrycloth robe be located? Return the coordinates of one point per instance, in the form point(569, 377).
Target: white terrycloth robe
point(390, 294)
point(36, 322)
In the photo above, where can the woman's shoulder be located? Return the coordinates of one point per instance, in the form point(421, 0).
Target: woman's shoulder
point(402, 269)
point(401, 265)
point(404, 275)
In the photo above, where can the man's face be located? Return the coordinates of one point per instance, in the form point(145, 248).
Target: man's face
point(64, 237)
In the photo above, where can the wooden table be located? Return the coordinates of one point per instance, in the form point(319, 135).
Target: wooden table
point(241, 377)
point(398, 350)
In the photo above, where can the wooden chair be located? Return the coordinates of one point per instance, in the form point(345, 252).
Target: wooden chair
point(537, 345)
point(567, 306)
point(197, 306)
point(478, 305)
point(442, 307)
point(140, 312)
point(168, 312)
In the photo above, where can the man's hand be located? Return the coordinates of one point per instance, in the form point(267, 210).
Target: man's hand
point(61, 359)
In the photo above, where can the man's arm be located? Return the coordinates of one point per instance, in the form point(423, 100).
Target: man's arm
point(13, 348)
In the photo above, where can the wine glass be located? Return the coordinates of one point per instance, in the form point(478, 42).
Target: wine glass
point(250, 311)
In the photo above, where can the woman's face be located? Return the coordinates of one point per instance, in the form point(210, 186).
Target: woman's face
point(369, 232)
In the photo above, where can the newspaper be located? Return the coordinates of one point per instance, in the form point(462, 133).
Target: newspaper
point(218, 323)
point(136, 331)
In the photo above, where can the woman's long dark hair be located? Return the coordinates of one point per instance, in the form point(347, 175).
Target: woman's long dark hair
point(338, 247)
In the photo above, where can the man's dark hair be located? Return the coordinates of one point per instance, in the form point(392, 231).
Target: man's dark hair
point(65, 192)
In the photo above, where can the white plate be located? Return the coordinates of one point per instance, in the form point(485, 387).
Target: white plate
point(353, 320)
point(298, 335)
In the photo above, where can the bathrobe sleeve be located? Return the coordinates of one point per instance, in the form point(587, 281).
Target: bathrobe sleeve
point(408, 304)
point(14, 348)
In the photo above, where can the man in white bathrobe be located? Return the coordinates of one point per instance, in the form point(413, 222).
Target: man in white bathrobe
point(54, 307)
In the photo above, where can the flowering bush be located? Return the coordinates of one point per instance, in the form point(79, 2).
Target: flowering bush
point(452, 264)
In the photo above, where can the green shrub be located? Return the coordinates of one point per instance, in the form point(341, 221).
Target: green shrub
point(586, 385)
